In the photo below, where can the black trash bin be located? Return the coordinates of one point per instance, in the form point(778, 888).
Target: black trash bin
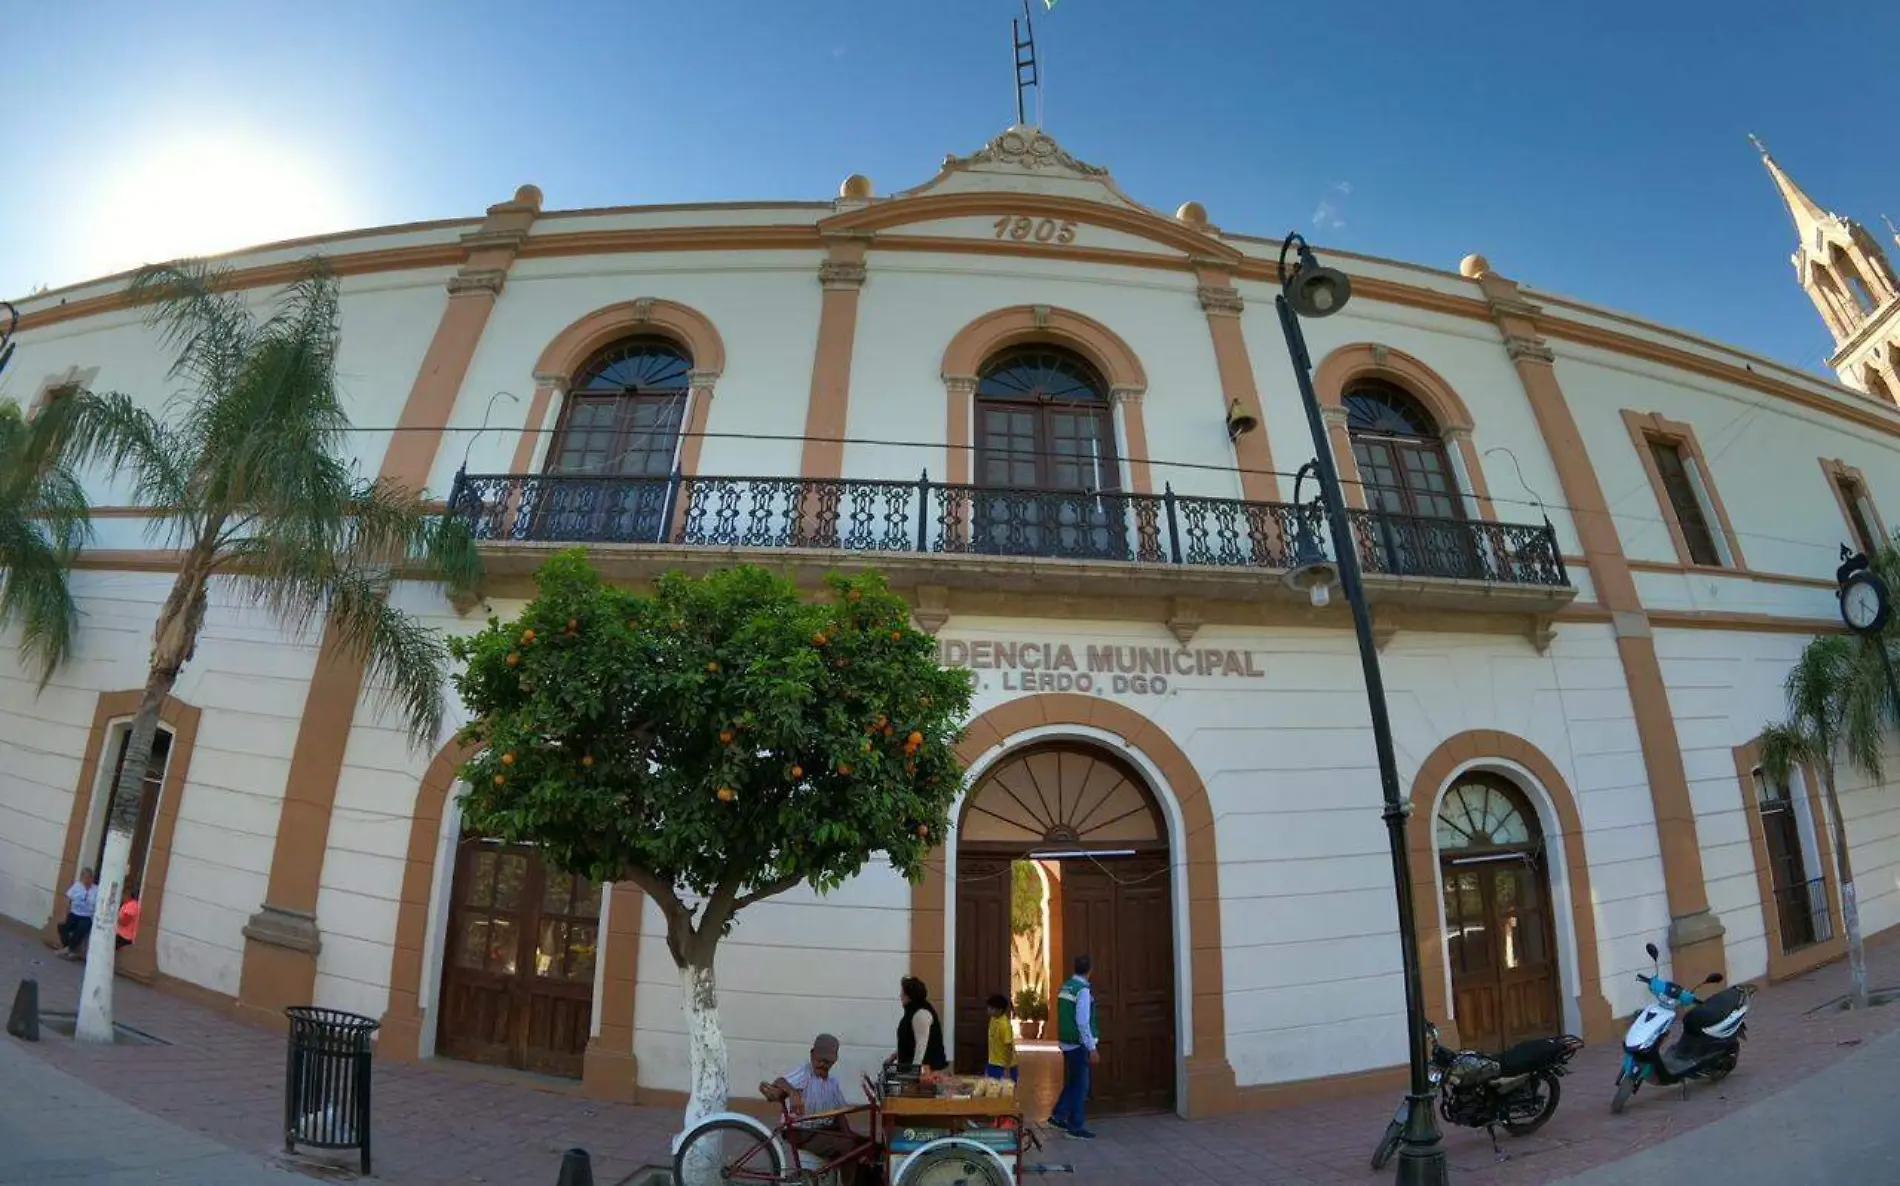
point(326, 1080)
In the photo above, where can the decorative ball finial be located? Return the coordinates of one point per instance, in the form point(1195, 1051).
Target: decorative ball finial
point(1473, 266)
point(1191, 213)
point(856, 186)
point(529, 195)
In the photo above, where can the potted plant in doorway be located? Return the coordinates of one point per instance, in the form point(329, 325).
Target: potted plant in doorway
point(1031, 1012)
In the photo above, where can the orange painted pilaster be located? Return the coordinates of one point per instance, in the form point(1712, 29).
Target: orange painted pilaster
point(282, 939)
point(826, 416)
point(608, 1068)
point(1696, 935)
point(1253, 453)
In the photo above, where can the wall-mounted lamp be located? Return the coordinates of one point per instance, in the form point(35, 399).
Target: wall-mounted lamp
point(1239, 422)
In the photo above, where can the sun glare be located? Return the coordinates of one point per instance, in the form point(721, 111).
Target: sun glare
point(201, 195)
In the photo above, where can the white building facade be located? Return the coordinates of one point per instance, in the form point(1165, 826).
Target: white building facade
point(1594, 547)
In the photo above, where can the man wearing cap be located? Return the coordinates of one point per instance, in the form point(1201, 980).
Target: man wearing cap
point(810, 1090)
point(809, 1086)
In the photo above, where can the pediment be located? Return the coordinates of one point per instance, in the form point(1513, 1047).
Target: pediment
point(1023, 189)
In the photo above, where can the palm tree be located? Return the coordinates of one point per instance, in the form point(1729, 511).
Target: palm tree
point(248, 480)
point(43, 522)
point(1838, 702)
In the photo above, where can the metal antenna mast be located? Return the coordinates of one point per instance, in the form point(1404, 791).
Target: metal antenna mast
point(1023, 36)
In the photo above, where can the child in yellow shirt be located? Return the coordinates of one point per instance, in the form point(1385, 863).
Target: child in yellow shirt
point(1002, 1041)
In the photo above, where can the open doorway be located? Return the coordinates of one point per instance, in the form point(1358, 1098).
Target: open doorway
point(1062, 850)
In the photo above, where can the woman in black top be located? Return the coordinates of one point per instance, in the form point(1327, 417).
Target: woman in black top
point(920, 1030)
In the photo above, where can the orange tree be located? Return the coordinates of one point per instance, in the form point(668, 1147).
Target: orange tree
point(716, 741)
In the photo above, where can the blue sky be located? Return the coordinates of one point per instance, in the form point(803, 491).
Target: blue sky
point(1591, 149)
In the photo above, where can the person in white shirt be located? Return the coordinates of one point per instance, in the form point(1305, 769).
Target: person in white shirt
point(82, 898)
point(811, 1090)
point(809, 1087)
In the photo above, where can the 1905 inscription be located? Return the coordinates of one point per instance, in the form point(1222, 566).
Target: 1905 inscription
point(1023, 229)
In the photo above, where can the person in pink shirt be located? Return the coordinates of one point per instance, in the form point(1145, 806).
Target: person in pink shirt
point(129, 918)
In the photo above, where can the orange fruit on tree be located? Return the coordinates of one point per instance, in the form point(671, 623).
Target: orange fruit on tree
point(854, 595)
point(500, 779)
point(712, 667)
point(727, 794)
point(798, 772)
point(527, 636)
point(514, 657)
point(844, 768)
point(923, 831)
point(725, 737)
point(914, 739)
point(508, 759)
point(896, 635)
point(587, 759)
point(819, 640)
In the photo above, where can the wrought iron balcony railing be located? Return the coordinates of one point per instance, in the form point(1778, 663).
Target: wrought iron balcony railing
point(925, 517)
point(1804, 915)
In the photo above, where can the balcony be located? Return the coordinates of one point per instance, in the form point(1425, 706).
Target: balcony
point(1032, 541)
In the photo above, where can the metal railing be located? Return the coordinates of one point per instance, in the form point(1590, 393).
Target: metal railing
point(1803, 911)
point(880, 515)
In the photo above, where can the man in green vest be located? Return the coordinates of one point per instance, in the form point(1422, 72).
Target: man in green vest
point(1075, 1033)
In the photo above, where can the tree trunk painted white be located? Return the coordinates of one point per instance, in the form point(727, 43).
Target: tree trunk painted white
point(1850, 906)
point(94, 1023)
point(706, 1044)
point(95, 991)
point(706, 1048)
point(1856, 954)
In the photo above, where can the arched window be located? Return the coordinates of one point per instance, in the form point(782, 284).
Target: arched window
point(1043, 422)
point(1046, 468)
point(622, 416)
point(1401, 459)
point(1484, 812)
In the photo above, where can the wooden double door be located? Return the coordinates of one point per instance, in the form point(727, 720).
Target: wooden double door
point(518, 967)
point(1119, 910)
point(1499, 941)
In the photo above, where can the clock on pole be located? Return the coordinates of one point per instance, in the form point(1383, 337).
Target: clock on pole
point(1866, 602)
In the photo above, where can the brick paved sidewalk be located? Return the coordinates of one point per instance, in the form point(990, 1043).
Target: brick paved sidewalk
point(441, 1123)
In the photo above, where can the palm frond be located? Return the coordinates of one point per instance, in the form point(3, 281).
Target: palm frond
point(1785, 746)
point(34, 592)
point(406, 662)
point(111, 432)
point(207, 330)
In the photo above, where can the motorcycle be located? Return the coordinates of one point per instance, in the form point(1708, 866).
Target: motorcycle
point(1711, 1042)
point(1517, 1089)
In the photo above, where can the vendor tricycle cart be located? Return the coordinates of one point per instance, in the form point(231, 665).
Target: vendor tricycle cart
point(951, 1132)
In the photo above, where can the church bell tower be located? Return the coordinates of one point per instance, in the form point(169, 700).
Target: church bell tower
point(1847, 275)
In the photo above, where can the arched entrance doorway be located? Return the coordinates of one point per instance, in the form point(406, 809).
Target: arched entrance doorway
point(1090, 824)
point(518, 964)
point(1499, 939)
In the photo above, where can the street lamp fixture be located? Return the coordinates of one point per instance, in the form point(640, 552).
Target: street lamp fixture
point(1312, 571)
point(1311, 289)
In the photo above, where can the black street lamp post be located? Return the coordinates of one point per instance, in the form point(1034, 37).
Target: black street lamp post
point(1316, 291)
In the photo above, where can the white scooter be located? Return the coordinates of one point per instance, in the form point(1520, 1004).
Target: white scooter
point(1711, 1042)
